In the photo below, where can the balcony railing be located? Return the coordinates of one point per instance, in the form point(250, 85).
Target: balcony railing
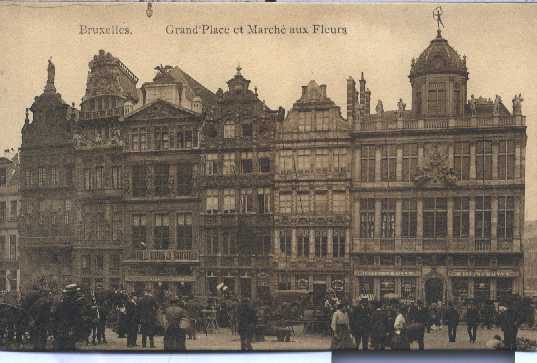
point(483, 245)
point(237, 261)
point(169, 255)
point(432, 245)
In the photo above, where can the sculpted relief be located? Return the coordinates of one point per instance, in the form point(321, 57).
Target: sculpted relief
point(435, 167)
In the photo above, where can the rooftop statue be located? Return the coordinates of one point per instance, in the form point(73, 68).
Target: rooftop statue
point(51, 70)
point(517, 104)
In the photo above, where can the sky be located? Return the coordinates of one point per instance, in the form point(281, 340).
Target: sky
point(499, 41)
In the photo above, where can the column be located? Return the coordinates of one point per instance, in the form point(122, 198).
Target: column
point(398, 218)
point(450, 206)
point(330, 247)
point(471, 224)
point(518, 162)
point(312, 244)
point(519, 204)
point(451, 156)
point(376, 287)
point(492, 289)
point(348, 241)
point(495, 160)
point(494, 224)
point(399, 165)
point(419, 224)
point(378, 157)
point(356, 170)
point(378, 206)
point(355, 226)
point(420, 155)
point(293, 242)
point(276, 250)
point(470, 287)
point(472, 161)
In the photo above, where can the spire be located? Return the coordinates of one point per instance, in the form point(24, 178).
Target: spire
point(238, 69)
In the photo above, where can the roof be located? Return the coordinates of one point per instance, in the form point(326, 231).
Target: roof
point(164, 102)
point(178, 75)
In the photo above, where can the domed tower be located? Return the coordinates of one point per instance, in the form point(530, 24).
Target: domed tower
point(438, 78)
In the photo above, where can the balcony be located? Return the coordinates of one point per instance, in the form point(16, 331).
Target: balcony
point(92, 115)
point(483, 245)
point(375, 124)
point(165, 256)
point(237, 261)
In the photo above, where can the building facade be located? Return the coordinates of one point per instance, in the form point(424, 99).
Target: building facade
point(9, 235)
point(438, 190)
point(312, 189)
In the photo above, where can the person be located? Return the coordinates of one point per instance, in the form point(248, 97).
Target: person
point(148, 318)
point(247, 317)
point(495, 343)
point(487, 313)
point(452, 319)
point(361, 324)
point(400, 341)
point(509, 325)
point(379, 328)
point(175, 335)
point(421, 315)
point(38, 304)
point(131, 317)
point(341, 329)
point(68, 318)
point(472, 321)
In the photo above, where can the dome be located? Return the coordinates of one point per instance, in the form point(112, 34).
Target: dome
point(438, 57)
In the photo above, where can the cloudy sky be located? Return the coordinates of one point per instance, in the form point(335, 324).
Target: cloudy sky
point(498, 40)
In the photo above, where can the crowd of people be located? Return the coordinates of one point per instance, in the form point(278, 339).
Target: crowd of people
point(396, 325)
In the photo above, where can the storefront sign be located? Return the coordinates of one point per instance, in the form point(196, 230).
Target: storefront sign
point(338, 285)
point(483, 273)
point(385, 273)
point(159, 279)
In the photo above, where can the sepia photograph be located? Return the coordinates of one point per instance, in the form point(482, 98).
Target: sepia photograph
point(268, 177)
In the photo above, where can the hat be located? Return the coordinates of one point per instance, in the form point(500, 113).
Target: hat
point(71, 289)
point(364, 299)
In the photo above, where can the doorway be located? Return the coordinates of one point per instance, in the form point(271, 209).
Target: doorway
point(319, 293)
point(434, 290)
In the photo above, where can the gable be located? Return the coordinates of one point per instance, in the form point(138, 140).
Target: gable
point(158, 110)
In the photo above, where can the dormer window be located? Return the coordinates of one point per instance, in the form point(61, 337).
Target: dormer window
point(229, 130)
point(436, 100)
point(247, 130)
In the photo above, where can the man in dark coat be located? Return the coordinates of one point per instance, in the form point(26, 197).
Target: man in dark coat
point(379, 328)
point(472, 321)
point(452, 319)
point(69, 320)
point(148, 318)
point(247, 317)
point(361, 324)
point(509, 323)
point(131, 318)
point(39, 308)
point(421, 315)
point(175, 335)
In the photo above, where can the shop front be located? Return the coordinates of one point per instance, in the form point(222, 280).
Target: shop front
point(483, 285)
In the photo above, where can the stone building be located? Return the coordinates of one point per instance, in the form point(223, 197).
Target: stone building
point(234, 182)
point(9, 235)
point(312, 187)
point(438, 190)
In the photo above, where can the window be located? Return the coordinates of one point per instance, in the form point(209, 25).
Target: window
point(99, 182)
point(284, 282)
point(506, 160)
point(41, 176)
point(135, 140)
point(322, 160)
point(229, 130)
point(247, 164)
point(367, 163)
point(303, 162)
point(247, 130)
point(367, 218)
point(367, 286)
point(99, 264)
point(184, 178)
point(87, 180)
point(211, 164)
point(286, 163)
point(27, 177)
point(506, 217)
point(286, 203)
point(3, 211)
point(139, 180)
point(13, 209)
point(180, 140)
point(162, 138)
point(388, 163)
point(138, 229)
point(229, 245)
point(409, 218)
point(12, 247)
point(189, 140)
point(304, 122)
point(116, 226)
point(434, 218)
point(116, 177)
point(408, 288)
point(229, 164)
point(461, 218)
point(437, 98)
point(482, 218)
point(410, 161)
point(387, 286)
point(303, 242)
point(484, 160)
point(321, 202)
point(145, 139)
point(53, 176)
point(3, 177)
point(212, 243)
point(265, 243)
point(264, 162)
point(162, 231)
point(340, 160)
point(322, 121)
point(212, 201)
point(2, 247)
point(162, 176)
point(85, 264)
point(263, 200)
point(340, 202)
point(246, 201)
point(114, 264)
point(321, 243)
point(229, 200)
point(338, 242)
point(285, 242)
point(461, 160)
point(387, 217)
point(184, 231)
point(303, 202)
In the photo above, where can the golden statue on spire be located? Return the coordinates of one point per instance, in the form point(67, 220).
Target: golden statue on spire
point(437, 15)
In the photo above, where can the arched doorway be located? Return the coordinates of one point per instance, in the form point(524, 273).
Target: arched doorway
point(434, 290)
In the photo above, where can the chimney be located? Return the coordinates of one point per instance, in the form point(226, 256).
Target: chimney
point(323, 91)
point(362, 94)
point(304, 88)
point(367, 108)
point(351, 99)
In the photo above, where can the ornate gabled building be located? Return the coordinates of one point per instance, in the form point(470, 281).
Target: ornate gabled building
point(47, 187)
point(234, 182)
point(438, 190)
point(312, 189)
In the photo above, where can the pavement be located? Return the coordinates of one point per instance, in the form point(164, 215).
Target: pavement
point(222, 339)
